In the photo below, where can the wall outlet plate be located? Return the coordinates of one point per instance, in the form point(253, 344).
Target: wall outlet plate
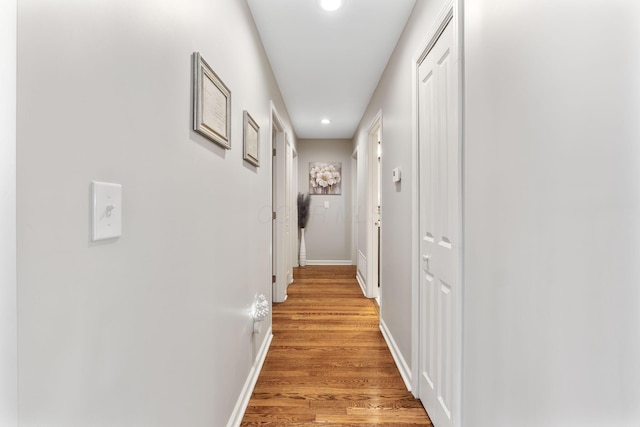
point(107, 210)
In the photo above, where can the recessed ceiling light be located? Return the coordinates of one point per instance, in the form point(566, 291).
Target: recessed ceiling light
point(325, 121)
point(330, 5)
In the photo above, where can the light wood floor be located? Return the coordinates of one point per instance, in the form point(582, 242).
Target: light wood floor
point(328, 363)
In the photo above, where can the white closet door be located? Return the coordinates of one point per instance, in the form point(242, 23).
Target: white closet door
point(439, 230)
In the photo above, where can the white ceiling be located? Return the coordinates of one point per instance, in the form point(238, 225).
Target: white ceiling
point(328, 64)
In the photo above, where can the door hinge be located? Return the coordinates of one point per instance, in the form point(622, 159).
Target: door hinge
point(273, 279)
point(273, 215)
point(274, 152)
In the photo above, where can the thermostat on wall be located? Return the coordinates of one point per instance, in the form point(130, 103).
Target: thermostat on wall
point(397, 175)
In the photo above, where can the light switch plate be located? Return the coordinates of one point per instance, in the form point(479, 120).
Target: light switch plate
point(396, 175)
point(107, 210)
point(326, 204)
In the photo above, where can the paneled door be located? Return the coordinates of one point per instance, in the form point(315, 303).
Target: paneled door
point(439, 193)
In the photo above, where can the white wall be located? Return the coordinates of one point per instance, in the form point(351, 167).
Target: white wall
point(552, 208)
point(152, 329)
point(8, 304)
point(328, 233)
point(552, 230)
point(393, 97)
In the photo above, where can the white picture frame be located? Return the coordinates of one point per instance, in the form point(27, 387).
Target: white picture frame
point(251, 139)
point(211, 104)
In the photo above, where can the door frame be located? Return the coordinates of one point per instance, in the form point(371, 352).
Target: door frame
point(448, 15)
point(290, 219)
point(278, 206)
point(372, 190)
point(8, 206)
point(293, 187)
point(355, 214)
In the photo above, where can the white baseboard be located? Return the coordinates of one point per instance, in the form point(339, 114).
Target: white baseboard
point(361, 283)
point(245, 395)
point(330, 262)
point(362, 263)
point(403, 367)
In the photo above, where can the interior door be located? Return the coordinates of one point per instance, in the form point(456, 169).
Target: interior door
point(374, 139)
point(274, 204)
point(439, 230)
point(288, 201)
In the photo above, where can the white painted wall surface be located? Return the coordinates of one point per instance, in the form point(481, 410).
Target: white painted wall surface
point(152, 329)
point(393, 97)
point(8, 303)
point(328, 233)
point(552, 208)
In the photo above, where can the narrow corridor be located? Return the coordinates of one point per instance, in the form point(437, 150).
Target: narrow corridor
point(328, 363)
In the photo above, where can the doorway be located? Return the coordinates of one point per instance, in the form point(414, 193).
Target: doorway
point(355, 214)
point(438, 225)
point(293, 211)
point(279, 205)
point(374, 207)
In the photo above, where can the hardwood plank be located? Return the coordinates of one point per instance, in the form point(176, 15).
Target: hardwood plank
point(328, 363)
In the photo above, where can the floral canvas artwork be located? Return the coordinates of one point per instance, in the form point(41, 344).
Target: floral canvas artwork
point(325, 178)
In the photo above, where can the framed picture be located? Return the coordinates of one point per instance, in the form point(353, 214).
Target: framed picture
point(211, 104)
point(251, 139)
point(325, 178)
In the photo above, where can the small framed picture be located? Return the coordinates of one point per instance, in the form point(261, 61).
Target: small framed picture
point(211, 104)
point(251, 140)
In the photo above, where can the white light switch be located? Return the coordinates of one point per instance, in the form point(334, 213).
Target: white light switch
point(107, 210)
point(326, 204)
point(396, 174)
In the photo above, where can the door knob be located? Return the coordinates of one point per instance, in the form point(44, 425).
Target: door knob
point(425, 257)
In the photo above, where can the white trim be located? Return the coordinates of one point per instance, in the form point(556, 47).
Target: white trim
point(415, 231)
point(289, 205)
point(330, 262)
point(402, 364)
point(458, 42)
point(8, 250)
point(293, 223)
point(278, 241)
point(444, 17)
point(371, 194)
point(354, 206)
point(361, 264)
point(374, 122)
point(245, 395)
point(361, 283)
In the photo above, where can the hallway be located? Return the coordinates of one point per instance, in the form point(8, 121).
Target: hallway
point(156, 327)
point(328, 363)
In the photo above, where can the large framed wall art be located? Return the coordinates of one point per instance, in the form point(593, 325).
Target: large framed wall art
point(211, 104)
